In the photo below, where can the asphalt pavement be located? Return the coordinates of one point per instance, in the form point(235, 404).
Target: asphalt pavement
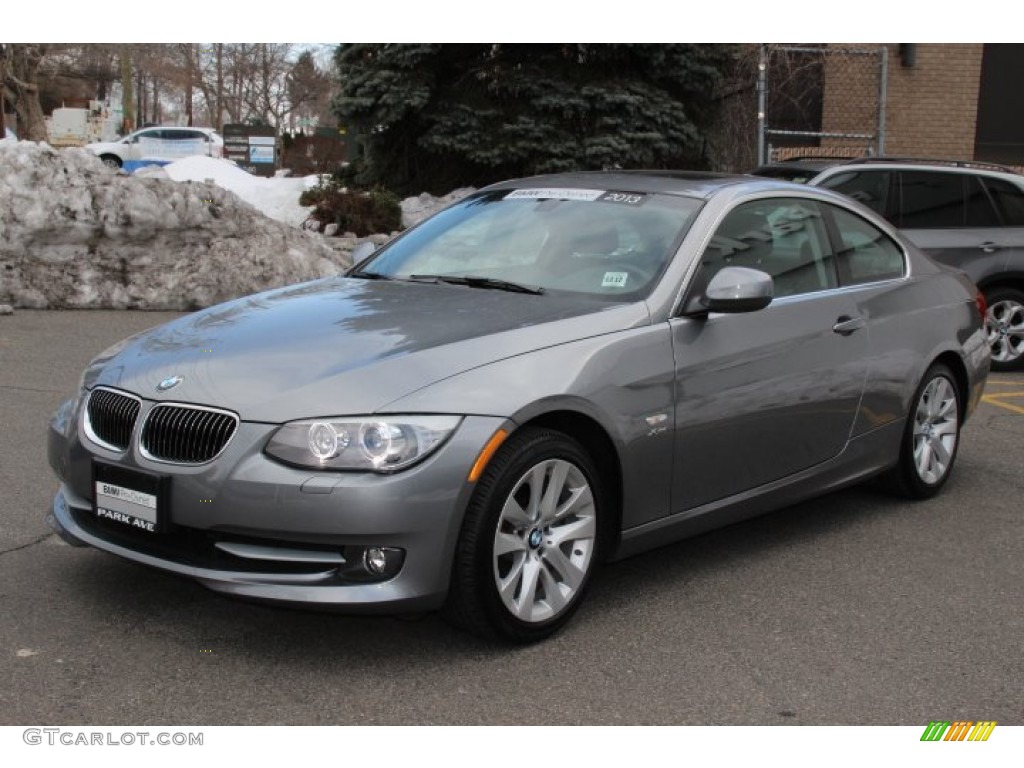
point(855, 608)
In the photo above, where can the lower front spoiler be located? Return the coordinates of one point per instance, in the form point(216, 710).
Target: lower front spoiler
point(308, 590)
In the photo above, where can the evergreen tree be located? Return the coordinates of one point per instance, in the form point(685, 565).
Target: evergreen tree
point(436, 116)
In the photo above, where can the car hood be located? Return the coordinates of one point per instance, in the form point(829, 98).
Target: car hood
point(343, 346)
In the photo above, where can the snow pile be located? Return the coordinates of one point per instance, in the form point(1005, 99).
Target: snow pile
point(277, 198)
point(415, 209)
point(74, 233)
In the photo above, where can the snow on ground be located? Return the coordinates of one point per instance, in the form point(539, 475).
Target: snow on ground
point(277, 198)
point(74, 233)
point(197, 231)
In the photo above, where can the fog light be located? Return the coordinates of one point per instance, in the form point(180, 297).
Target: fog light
point(375, 560)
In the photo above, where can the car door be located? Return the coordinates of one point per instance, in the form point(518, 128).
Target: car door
point(181, 142)
point(873, 273)
point(148, 146)
point(764, 395)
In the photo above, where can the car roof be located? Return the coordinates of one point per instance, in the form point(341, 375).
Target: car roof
point(804, 162)
point(690, 183)
point(175, 128)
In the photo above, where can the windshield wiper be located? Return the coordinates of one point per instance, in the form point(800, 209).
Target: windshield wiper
point(369, 275)
point(474, 281)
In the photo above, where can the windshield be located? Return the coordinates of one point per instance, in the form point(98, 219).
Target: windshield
point(609, 244)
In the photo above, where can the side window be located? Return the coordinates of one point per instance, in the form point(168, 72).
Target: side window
point(870, 188)
point(931, 200)
point(1009, 200)
point(866, 254)
point(980, 211)
point(784, 237)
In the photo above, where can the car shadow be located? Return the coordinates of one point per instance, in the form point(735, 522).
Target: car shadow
point(149, 603)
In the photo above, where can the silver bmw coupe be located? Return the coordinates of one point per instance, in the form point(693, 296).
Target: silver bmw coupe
point(552, 373)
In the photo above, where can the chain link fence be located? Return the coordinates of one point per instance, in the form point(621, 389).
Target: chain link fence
point(783, 101)
point(827, 99)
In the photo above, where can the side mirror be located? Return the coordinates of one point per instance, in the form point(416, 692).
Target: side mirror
point(738, 289)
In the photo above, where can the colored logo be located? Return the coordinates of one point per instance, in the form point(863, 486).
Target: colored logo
point(959, 730)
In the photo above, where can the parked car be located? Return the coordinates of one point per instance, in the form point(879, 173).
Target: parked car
point(9, 134)
point(550, 373)
point(158, 146)
point(969, 215)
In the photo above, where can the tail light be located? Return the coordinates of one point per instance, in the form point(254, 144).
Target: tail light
point(979, 300)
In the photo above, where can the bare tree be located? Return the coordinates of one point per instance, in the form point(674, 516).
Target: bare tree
point(21, 87)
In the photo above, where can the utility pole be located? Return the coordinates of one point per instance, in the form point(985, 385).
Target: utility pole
point(762, 77)
point(3, 99)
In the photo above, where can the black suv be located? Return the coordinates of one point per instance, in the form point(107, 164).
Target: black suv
point(966, 214)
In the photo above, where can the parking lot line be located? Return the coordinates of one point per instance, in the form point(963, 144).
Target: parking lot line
point(996, 399)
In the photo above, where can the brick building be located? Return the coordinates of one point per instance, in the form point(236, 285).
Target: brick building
point(941, 100)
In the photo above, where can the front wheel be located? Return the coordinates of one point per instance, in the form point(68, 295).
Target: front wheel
point(930, 439)
point(1005, 328)
point(529, 542)
point(111, 161)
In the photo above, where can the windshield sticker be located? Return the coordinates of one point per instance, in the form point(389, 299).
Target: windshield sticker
point(625, 198)
point(614, 280)
point(588, 195)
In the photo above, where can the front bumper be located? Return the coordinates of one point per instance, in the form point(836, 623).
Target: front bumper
point(248, 526)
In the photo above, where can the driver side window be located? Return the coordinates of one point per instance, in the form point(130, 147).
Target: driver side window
point(783, 237)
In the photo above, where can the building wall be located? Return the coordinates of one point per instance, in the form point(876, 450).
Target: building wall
point(932, 107)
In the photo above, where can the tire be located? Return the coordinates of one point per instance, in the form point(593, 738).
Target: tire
point(529, 541)
point(931, 437)
point(111, 161)
point(1005, 328)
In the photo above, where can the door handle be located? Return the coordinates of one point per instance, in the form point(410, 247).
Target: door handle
point(846, 325)
point(989, 247)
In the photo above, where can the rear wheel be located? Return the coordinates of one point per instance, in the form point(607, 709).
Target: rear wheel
point(1005, 328)
point(931, 437)
point(529, 542)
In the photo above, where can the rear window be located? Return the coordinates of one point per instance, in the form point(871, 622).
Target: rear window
point(1009, 199)
point(866, 254)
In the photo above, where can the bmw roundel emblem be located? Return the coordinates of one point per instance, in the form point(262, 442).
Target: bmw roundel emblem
point(169, 383)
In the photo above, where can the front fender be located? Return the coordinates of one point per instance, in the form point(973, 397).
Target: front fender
point(623, 381)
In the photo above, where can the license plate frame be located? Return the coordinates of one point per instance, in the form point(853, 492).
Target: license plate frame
point(132, 498)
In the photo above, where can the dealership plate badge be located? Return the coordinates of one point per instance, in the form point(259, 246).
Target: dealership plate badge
point(129, 498)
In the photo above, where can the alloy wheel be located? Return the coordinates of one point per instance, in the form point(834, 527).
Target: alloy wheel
point(936, 427)
point(544, 542)
point(1006, 330)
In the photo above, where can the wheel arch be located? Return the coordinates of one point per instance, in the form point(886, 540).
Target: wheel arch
point(1011, 279)
point(599, 444)
point(956, 365)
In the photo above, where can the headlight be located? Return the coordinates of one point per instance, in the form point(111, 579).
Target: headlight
point(375, 443)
